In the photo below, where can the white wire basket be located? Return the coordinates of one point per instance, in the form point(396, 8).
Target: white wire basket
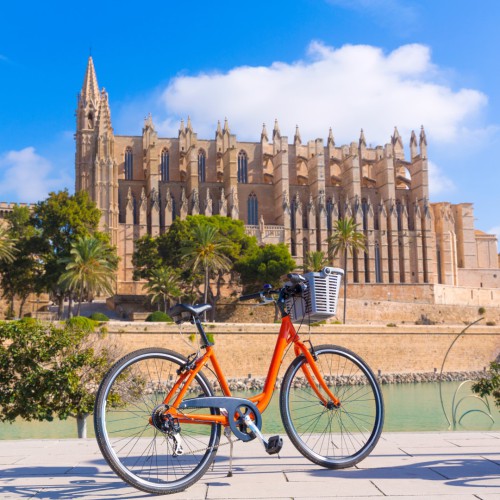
point(319, 302)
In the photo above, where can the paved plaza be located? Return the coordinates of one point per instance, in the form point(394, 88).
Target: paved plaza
point(441, 465)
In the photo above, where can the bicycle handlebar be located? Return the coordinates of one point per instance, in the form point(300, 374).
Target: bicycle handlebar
point(250, 296)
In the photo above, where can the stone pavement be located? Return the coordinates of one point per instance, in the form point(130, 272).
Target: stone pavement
point(441, 465)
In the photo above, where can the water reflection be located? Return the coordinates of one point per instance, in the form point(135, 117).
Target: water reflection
point(409, 407)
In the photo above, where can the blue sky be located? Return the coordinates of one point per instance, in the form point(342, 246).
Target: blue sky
point(345, 64)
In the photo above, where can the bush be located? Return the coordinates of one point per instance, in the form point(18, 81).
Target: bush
point(391, 325)
point(159, 316)
point(481, 310)
point(81, 323)
point(490, 323)
point(97, 316)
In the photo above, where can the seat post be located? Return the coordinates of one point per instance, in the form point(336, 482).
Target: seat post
point(201, 331)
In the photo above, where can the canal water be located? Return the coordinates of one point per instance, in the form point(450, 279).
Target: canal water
point(408, 407)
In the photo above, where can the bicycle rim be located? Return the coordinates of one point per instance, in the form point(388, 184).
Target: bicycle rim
point(334, 437)
point(136, 450)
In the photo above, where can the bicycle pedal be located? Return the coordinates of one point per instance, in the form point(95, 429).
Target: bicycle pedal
point(274, 445)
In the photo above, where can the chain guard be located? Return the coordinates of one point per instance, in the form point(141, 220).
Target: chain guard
point(236, 409)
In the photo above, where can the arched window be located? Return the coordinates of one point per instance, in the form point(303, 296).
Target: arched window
point(253, 210)
point(136, 211)
point(329, 210)
point(305, 219)
point(201, 166)
point(129, 164)
point(378, 269)
point(293, 208)
point(242, 167)
point(164, 166)
point(174, 208)
point(364, 208)
point(399, 211)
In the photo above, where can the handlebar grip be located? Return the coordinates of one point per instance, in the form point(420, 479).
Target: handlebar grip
point(296, 278)
point(250, 296)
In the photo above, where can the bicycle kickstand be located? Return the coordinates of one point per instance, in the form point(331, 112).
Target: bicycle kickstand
point(227, 433)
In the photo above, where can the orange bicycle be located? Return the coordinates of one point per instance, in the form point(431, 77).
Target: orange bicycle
point(158, 422)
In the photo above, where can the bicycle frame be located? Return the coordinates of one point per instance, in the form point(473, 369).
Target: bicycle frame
point(287, 335)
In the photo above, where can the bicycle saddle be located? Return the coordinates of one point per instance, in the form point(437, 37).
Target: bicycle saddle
point(183, 312)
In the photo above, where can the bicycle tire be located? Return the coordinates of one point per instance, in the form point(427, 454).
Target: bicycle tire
point(137, 451)
point(340, 437)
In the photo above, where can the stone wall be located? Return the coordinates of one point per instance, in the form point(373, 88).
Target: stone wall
point(371, 312)
point(244, 349)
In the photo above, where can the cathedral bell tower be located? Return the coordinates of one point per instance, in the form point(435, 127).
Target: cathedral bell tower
point(96, 168)
point(86, 119)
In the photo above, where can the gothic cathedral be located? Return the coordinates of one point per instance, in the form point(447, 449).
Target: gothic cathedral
point(284, 192)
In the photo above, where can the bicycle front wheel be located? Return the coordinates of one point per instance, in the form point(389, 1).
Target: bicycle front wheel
point(333, 436)
point(145, 447)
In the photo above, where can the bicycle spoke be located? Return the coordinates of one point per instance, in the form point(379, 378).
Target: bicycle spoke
point(326, 434)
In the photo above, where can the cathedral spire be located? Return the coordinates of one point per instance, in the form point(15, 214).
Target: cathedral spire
point(276, 130)
point(218, 132)
point(423, 138)
point(297, 139)
point(104, 116)
point(90, 89)
point(263, 134)
point(226, 126)
point(413, 144)
point(331, 140)
point(362, 140)
point(189, 127)
point(396, 138)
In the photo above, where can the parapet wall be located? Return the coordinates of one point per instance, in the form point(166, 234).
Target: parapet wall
point(244, 349)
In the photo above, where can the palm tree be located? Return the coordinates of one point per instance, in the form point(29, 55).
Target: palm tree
point(163, 285)
point(315, 261)
point(7, 248)
point(206, 250)
point(90, 268)
point(346, 239)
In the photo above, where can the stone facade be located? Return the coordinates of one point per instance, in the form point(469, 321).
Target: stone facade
point(288, 192)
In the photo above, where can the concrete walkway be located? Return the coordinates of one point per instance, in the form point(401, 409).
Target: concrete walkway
point(451, 465)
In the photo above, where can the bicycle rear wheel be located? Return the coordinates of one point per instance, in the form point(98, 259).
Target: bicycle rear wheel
point(144, 455)
point(333, 437)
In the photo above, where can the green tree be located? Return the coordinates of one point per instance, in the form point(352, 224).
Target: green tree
point(48, 371)
point(146, 257)
point(21, 275)
point(346, 240)
point(90, 269)
point(61, 219)
point(266, 264)
point(167, 250)
point(163, 285)
point(7, 246)
point(490, 385)
point(315, 261)
point(206, 250)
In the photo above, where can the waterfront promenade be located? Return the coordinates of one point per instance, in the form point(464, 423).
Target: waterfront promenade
point(438, 465)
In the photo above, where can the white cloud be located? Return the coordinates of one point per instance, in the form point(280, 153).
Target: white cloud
point(439, 184)
point(349, 88)
point(28, 177)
